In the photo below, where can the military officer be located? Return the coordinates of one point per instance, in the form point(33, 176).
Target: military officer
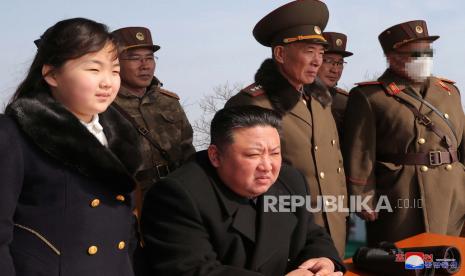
point(154, 110)
point(404, 141)
point(310, 140)
point(330, 73)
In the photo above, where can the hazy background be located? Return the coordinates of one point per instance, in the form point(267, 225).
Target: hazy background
point(209, 43)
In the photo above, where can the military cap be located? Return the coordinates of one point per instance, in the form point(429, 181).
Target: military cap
point(336, 43)
point(294, 21)
point(400, 34)
point(135, 37)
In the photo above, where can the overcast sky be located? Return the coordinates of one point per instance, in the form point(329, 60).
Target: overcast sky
point(208, 43)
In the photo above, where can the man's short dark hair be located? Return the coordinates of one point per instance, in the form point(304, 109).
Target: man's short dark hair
point(226, 120)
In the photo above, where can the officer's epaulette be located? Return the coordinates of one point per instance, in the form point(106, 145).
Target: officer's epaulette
point(367, 83)
point(168, 93)
point(254, 90)
point(446, 80)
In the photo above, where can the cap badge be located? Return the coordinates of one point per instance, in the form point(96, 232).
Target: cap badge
point(339, 42)
point(140, 36)
point(317, 30)
point(419, 29)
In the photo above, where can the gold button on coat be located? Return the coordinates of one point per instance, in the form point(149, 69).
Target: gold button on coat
point(449, 167)
point(333, 142)
point(421, 141)
point(446, 115)
point(315, 148)
point(94, 203)
point(120, 198)
point(322, 175)
point(424, 168)
point(121, 245)
point(92, 250)
point(339, 170)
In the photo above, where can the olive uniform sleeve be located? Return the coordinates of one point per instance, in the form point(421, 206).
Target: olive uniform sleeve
point(11, 179)
point(176, 240)
point(359, 146)
point(187, 148)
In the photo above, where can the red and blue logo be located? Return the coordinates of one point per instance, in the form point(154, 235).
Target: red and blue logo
point(414, 260)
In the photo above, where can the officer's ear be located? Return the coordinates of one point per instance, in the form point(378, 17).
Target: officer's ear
point(48, 73)
point(214, 155)
point(278, 53)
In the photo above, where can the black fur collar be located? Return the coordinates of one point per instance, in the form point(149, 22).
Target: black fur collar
point(60, 134)
point(282, 95)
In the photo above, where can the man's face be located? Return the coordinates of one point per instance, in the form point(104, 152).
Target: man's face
point(137, 68)
point(299, 61)
point(406, 53)
point(331, 70)
point(251, 164)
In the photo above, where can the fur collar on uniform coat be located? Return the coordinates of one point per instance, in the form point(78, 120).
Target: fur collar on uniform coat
point(281, 94)
point(61, 135)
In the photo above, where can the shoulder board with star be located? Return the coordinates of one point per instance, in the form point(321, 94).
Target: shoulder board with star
point(168, 93)
point(368, 83)
point(254, 90)
point(446, 80)
point(446, 84)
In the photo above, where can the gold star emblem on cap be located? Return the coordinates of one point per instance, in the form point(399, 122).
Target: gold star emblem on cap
point(317, 30)
point(140, 36)
point(339, 42)
point(419, 29)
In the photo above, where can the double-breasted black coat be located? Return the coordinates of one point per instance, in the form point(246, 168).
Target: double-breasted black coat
point(66, 204)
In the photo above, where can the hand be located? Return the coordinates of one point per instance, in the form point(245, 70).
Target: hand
point(300, 272)
point(368, 215)
point(320, 267)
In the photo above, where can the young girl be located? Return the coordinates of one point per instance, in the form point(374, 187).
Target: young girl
point(66, 160)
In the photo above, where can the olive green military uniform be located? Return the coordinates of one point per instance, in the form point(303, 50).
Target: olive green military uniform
point(309, 140)
point(380, 129)
point(160, 112)
point(338, 106)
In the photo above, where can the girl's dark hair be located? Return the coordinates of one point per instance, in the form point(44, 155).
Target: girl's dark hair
point(67, 39)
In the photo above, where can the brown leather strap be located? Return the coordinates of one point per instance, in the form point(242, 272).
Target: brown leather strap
point(432, 158)
point(144, 132)
point(154, 174)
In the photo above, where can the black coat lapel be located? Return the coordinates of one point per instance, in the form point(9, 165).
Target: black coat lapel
point(59, 133)
point(274, 228)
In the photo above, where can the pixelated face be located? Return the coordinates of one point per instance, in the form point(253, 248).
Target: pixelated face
point(251, 164)
point(331, 70)
point(299, 61)
point(137, 68)
point(86, 86)
point(408, 59)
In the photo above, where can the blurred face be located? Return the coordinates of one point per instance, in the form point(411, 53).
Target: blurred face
point(299, 62)
point(87, 85)
point(137, 68)
point(251, 164)
point(331, 70)
point(400, 58)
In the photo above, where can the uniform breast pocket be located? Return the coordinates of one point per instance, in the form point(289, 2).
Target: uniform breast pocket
point(169, 118)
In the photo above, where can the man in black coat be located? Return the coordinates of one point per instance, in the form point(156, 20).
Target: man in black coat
point(209, 218)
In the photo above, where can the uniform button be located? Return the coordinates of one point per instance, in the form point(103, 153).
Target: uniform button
point(333, 142)
point(449, 167)
point(121, 245)
point(94, 203)
point(339, 170)
point(322, 175)
point(424, 168)
point(315, 148)
point(446, 115)
point(120, 198)
point(92, 250)
point(421, 141)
